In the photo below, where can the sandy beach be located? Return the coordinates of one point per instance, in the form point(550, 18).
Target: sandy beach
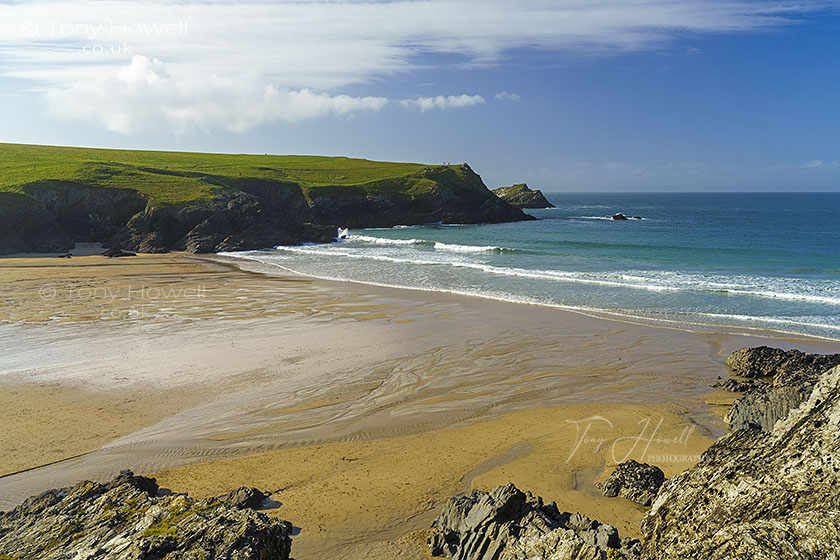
point(362, 408)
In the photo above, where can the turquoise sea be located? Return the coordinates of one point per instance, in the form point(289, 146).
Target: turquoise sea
point(743, 261)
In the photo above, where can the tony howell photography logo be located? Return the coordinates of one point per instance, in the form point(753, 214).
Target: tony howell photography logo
point(110, 37)
point(598, 433)
point(93, 31)
point(129, 293)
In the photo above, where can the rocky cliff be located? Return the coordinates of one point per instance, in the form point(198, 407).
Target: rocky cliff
point(759, 495)
point(521, 196)
point(776, 382)
point(239, 212)
point(126, 519)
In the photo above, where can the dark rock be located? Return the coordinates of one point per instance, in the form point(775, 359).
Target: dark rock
point(764, 361)
point(790, 377)
point(637, 217)
point(65, 256)
point(740, 386)
point(756, 494)
point(761, 408)
point(115, 252)
point(145, 484)
point(153, 243)
point(638, 482)
point(507, 524)
point(245, 497)
point(124, 520)
point(32, 229)
point(619, 216)
point(520, 196)
point(455, 195)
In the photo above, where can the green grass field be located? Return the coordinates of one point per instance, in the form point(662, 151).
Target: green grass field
point(182, 178)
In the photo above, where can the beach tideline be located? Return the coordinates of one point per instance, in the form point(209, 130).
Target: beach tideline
point(363, 409)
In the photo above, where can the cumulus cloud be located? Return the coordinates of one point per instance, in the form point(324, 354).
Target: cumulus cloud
point(276, 59)
point(144, 96)
point(443, 102)
point(507, 96)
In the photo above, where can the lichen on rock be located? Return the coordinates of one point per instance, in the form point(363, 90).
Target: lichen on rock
point(126, 519)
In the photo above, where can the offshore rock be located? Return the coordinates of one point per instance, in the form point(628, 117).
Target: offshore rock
point(520, 196)
point(507, 524)
point(126, 520)
point(638, 482)
point(759, 495)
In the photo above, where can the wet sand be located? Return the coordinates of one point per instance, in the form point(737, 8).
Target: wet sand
point(363, 407)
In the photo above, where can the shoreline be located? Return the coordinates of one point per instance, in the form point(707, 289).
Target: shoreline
point(604, 314)
point(274, 381)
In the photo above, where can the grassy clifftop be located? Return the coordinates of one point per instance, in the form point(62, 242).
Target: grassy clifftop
point(183, 178)
point(51, 197)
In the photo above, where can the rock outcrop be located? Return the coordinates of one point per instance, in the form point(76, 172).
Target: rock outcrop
point(638, 482)
point(766, 362)
point(126, 519)
point(507, 524)
point(777, 381)
point(521, 196)
point(759, 495)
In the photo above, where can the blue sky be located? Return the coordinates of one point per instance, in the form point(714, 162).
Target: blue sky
point(567, 95)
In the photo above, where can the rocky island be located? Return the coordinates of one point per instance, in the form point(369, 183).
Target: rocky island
point(153, 202)
point(521, 196)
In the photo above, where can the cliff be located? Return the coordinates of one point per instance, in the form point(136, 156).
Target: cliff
point(51, 197)
point(756, 494)
point(521, 196)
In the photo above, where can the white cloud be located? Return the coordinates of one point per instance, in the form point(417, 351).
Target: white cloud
point(144, 97)
point(258, 54)
point(507, 96)
point(818, 164)
point(443, 102)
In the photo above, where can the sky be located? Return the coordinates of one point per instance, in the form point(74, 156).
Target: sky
point(566, 95)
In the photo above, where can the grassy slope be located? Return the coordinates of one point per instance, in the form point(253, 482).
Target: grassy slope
point(180, 178)
point(512, 190)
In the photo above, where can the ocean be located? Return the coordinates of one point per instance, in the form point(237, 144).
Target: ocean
point(734, 261)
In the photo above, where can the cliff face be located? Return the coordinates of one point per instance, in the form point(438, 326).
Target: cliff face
point(250, 213)
point(452, 194)
point(756, 494)
point(521, 196)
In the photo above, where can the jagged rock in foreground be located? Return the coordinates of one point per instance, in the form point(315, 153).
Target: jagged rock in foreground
point(507, 524)
point(520, 196)
point(126, 520)
point(759, 495)
point(638, 482)
point(792, 375)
